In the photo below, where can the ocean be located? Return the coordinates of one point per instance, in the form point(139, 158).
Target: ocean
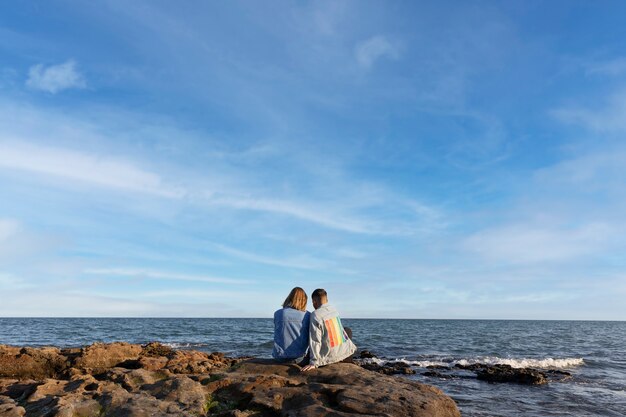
point(594, 352)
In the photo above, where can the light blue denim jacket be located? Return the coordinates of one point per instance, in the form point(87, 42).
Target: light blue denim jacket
point(291, 333)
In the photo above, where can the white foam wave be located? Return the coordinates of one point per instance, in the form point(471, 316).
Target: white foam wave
point(546, 363)
point(179, 345)
point(419, 364)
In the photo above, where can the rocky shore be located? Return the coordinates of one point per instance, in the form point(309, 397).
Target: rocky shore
point(126, 380)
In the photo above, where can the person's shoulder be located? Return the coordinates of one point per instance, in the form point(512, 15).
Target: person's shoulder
point(327, 307)
point(279, 313)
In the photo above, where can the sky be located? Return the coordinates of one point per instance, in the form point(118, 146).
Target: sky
point(442, 159)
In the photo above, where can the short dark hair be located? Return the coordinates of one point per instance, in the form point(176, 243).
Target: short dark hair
point(319, 294)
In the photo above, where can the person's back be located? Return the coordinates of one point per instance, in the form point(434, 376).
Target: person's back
point(291, 327)
point(328, 341)
point(291, 333)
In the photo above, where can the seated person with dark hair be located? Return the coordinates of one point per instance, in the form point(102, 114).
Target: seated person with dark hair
point(328, 340)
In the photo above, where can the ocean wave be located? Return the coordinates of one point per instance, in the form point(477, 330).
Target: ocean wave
point(419, 364)
point(546, 363)
point(182, 345)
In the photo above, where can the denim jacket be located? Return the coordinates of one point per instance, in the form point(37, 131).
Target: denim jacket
point(329, 342)
point(291, 333)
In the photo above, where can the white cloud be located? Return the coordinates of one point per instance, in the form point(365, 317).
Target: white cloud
point(83, 168)
point(43, 304)
point(77, 167)
point(527, 243)
point(613, 67)
point(162, 275)
point(195, 293)
point(600, 170)
point(55, 78)
point(301, 262)
point(9, 280)
point(371, 50)
point(608, 118)
point(46, 145)
point(300, 211)
point(8, 228)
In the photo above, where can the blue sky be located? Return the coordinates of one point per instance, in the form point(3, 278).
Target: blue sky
point(417, 160)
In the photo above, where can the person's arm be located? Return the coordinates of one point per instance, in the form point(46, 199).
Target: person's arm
point(315, 344)
point(276, 328)
point(307, 326)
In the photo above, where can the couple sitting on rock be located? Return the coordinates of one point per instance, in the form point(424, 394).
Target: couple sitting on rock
point(310, 339)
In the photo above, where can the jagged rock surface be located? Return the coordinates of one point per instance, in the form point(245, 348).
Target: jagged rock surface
point(124, 380)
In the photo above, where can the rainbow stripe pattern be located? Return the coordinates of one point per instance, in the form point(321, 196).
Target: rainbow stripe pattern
point(335, 331)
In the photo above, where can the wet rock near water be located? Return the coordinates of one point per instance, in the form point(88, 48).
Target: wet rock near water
point(506, 373)
point(124, 380)
point(365, 354)
point(484, 372)
point(390, 368)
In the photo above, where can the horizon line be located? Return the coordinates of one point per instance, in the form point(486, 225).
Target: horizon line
point(270, 318)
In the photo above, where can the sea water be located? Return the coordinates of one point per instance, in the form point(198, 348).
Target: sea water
point(594, 352)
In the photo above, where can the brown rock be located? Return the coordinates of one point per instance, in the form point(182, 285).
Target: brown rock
point(191, 362)
point(337, 390)
point(101, 381)
point(30, 362)
point(153, 363)
point(9, 408)
point(153, 349)
point(99, 357)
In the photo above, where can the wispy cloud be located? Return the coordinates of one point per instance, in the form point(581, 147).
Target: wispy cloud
point(123, 174)
point(10, 281)
point(162, 275)
point(55, 78)
point(527, 244)
point(609, 117)
point(375, 48)
point(306, 212)
point(301, 262)
point(612, 67)
point(8, 228)
point(82, 167)
point(42, 304)
point(195, 294)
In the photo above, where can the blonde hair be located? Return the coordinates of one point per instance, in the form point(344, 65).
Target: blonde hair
point(296, 299)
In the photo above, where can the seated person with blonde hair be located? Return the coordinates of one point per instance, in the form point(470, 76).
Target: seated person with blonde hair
point(291, 327)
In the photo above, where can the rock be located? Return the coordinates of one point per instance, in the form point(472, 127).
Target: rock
point(472, 367)
point(190, 362)
point(122, 380)
point(506, 373)
point(389, 368)
point(434, 374)
point(153, 364)
point(9, 408)
point(365, 354)
point(558, 375)
point(156, 349)
point(30, 362)
point(340, 389)
point(99, 357)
